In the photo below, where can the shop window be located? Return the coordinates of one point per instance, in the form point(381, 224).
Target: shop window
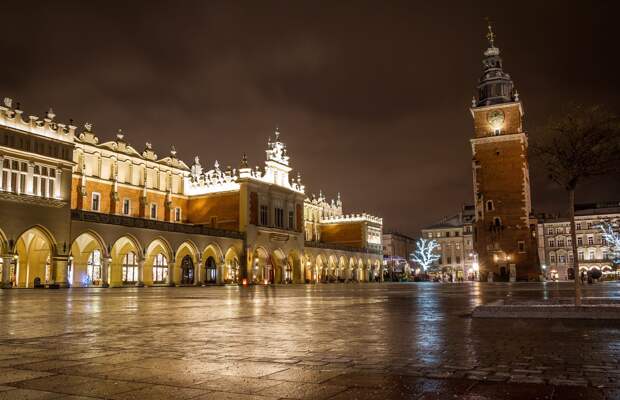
point(93, 268)
point(129, 268)
point(160, 268)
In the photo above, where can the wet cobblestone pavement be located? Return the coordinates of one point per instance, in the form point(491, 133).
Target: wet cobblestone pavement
point(353, 341)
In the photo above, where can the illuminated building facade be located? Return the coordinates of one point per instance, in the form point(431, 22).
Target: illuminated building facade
point(504, 232)
point(594, 253)
point(457, 258)
point(77, 211)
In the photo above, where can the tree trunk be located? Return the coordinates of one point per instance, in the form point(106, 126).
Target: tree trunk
point(573, 234)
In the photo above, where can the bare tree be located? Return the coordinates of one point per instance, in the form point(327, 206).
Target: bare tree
point(581, 143)
point(425, 253)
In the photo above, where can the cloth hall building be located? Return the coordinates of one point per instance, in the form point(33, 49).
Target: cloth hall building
point(77, 211)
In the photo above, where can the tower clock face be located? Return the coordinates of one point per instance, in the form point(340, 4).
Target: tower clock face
point(495, 118)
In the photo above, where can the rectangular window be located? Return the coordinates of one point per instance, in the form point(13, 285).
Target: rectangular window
point(126, 207)
point(570, 257)
point(14, 182)
point(569, 242)
point(96, 200)
point(448, 260)
point(551, 243)
point(35, 185)
point(456, 234)
point(521, 246)
point(458, 259)
point(550, 231)
point(590, 240)
point(43, 186)
point(562, 259)
point(591, 255)
point(560, 242)
point(5, 178)
point(263, 215)
point(552, 258)
point(177, 214)
point(579, 241)
point(578, 226)
point(51, 187)
point(580, 256)
point(22, 183)
point(279, 214)
point(153, 211)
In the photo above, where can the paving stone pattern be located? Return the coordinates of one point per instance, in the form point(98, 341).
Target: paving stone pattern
point(335, 341)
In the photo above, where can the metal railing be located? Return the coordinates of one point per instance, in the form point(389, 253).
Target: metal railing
point(351, 249)
point(132, 222)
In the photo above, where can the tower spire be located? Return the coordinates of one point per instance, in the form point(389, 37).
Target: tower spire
point(495, 86)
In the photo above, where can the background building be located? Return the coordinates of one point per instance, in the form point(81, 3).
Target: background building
point(554, 242)
point(458, 259)
point(397, 250)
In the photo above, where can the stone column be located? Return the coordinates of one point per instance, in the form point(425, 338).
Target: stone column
point(198, 273)
point(105, 271)
point(29, 188)
point(140, 282)
point(61, 275)
point(1, 169)
point(170, 277)
point(6, 271)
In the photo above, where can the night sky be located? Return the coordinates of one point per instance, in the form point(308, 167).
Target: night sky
point(372, 98)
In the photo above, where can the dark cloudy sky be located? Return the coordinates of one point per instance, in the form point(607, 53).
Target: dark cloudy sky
point(371, 97)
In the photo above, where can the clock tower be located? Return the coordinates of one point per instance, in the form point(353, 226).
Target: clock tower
point(503, 232)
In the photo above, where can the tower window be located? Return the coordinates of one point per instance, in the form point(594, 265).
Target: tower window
point(497, 221)
point(490, 206)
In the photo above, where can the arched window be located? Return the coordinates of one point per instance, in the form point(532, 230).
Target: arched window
point(130, 268)
point(93, 268)
point(160, 269)
point(490, 205)
point(497, 222)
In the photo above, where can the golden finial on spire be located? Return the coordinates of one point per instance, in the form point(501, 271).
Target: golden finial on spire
point(490, 34)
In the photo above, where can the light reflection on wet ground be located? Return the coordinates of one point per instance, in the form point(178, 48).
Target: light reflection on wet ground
point(376, 327)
